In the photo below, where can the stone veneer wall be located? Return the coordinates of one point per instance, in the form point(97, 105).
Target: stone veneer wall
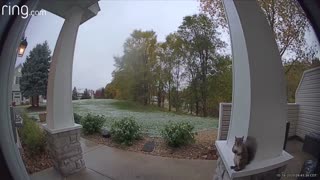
point(66, 151)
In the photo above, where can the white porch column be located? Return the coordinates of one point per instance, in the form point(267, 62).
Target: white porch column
point(259, 107)
point(63, 135)
point(59, 96)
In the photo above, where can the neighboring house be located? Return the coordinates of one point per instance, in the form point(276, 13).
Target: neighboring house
point(81, 90)
point(17, 98)
point(91, 92)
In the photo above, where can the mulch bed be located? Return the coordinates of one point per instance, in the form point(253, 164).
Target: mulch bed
point(203, 148)
point(38, 162)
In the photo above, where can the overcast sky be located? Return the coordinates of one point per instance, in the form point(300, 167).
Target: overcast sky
point(102, 37)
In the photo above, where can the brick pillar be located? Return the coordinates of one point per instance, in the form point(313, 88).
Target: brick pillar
point(66, 151)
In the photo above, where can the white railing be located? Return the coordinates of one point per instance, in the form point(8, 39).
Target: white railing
point(225, 115)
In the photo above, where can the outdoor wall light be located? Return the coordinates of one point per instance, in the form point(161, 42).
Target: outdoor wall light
point(22, 47)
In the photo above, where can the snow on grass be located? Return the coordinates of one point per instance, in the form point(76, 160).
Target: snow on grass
point(150, 120)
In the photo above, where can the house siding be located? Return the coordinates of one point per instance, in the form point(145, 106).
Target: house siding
point(224, 120)
point(308, 98)
point(225, 115)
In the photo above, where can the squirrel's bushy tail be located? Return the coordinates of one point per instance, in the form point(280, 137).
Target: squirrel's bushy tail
point(251, 148)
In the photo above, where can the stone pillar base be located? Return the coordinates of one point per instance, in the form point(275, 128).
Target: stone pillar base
point(66, 151)
point(222, 174)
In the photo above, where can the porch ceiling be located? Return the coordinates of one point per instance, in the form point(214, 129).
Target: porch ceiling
point(62, 7)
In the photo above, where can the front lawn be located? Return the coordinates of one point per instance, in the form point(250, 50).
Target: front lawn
point(152, 119)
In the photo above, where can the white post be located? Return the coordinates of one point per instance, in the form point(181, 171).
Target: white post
point(63, 134)
point(59, 96)
point(259, 108)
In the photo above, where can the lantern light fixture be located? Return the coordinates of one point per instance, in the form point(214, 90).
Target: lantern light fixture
point(22, 47)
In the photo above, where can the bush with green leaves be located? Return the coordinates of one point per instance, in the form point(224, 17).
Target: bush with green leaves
point(125, 131)
point(77, 118)
point(177, 134)
point(32, 136)
point(92, 123)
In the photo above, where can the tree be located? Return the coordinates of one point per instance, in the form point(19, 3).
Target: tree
point(159, 74)
point(86, 94)
point(200, 38)
point(99, 94)
point(287, 21)
point(134, 70)
point(35, 72)
point(290, 27)
point(110, 91)
point(174, 57)
point(220, 84)
point(182, 70)
point(74, 94)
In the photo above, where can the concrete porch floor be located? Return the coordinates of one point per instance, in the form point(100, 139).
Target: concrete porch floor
point(294, 147)
point(108, 163)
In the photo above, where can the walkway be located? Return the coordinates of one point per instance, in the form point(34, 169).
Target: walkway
point(108, 163)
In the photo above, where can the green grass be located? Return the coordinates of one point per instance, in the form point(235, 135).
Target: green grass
point(151, 118)
point(135, 107)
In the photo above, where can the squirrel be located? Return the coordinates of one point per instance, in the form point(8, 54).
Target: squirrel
point(242, 153)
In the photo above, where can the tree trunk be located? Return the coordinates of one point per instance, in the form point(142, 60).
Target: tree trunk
point(205, 108)
point(162, 100)
point(37, 101)
point(159, 97)
point(34, 101)
point(177, 88)
point(169, 96)
point(197, 108)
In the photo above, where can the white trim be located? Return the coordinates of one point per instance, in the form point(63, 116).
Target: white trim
point(220, 120)
point(54, 131)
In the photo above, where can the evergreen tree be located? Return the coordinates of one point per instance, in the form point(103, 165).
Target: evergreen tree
point(35, 72)
point(86, 94)
point(74, 94)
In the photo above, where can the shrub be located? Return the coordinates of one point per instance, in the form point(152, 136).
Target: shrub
point(125, 131)
point(178, 134)
point(32, 136)
point(77, 118)
point(92, 123)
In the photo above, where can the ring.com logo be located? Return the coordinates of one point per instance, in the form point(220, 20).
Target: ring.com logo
point(23, 10)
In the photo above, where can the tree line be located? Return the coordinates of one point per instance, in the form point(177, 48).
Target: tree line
point(186, 73)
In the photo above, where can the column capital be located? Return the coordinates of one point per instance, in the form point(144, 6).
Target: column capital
point(72, 11)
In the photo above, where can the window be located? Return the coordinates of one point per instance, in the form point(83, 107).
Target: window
point(16, 95)
point(17, 80)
